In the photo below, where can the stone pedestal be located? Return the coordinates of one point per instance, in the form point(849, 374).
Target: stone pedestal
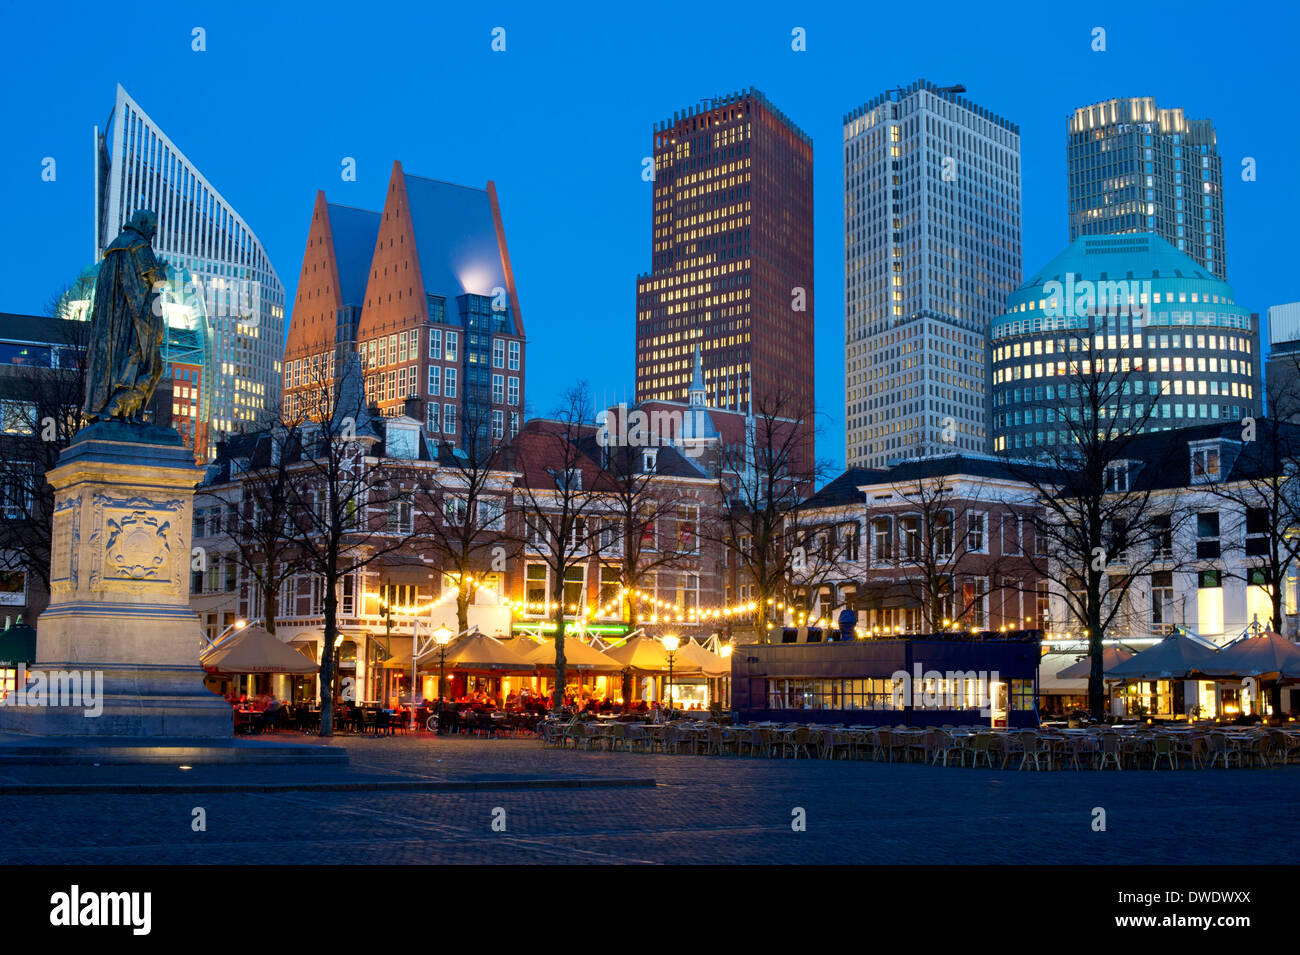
point(119, 601)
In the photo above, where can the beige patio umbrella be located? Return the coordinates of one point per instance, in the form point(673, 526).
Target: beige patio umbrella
point(253, 650)
point(1269, 656)
point(647, 653)
point(577, 656)
point(474, 651)
point(709, 663)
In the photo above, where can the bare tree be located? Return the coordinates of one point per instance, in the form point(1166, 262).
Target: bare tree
point(1096, 529)
point(42, 412)
point(260, 525)
point(638, 502)
point(349, 509)
point(563, 500)
point(761, 483)
point(470, 535)
point(952, 564)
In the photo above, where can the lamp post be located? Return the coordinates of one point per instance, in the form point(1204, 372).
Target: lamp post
point(725, 652)
point(442, 636)
point(671, 643)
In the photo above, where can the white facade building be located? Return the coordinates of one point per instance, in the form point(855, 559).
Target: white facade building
point(932, 248)
point(198, 230)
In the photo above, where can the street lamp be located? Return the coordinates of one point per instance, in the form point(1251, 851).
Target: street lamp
point(442, 636)
point(671, 643)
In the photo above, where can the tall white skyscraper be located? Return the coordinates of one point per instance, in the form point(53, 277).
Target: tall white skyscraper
point(931, 252)
point(200, 232)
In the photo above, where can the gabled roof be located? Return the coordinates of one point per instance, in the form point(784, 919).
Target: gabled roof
point(354, 232)
point(456, 238)
point(844, 489)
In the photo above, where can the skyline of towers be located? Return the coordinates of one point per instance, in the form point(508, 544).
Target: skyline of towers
point(731, 258)
point(932, 247)
point(1134, 167)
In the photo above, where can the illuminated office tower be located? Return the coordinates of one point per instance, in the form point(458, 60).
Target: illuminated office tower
point(1134, 167)
point(731, 258)
point(931, 251)
point(201, 234)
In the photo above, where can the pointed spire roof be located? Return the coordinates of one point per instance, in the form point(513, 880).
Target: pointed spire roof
point(697, 395)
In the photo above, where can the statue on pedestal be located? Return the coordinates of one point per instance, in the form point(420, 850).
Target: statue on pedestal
point(124, 360)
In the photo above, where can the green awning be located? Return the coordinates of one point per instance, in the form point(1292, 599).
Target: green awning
point(17, 645)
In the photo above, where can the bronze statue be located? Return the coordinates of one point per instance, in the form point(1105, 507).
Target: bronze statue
point(124, 359)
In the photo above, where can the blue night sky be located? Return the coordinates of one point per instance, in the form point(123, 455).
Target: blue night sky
point(562, 119)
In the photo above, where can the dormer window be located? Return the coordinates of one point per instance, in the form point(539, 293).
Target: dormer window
point(649, 460)
point(401, 440)
point(1117, 478)
point(1205, 464)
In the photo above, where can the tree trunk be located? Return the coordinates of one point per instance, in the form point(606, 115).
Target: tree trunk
point(327, 660)
point(269, 595)
point(557, 701)
point(1096, 681)
point(462, 605)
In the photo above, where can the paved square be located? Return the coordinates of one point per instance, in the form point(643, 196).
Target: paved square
point(703, 810)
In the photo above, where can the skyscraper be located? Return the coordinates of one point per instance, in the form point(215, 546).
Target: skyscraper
point(199, 232)
point(1134, 167)
point(732, 258)
point(1134, 318)
point(425, 292)
point(931, 251)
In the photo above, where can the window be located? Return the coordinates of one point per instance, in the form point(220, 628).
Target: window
point(1022, 695)
point(498, 353)
point(512, 390)
point(514, 356)
point(1207, 535)
point(17, 417)
point(348, 596)
point(13, 592)
point(433, 415)
point(1257, 536)
point(514, 423)
point(437, 310)
point(1205, 464)
point(1209, 603)
point(435, 342)
point(849, 537)
point(498, 389)
point(492, 514)
point(454, 510)
point(449, 383)
point(1011, 545)
point(1162, 602)
point(498, 425)
point(882, 540)
point(1162, 535)
point(610, 588)
point(16, 491)
point(575, 588)
point(1117, 478)
point(909, 532)
point(448, 419)
point(943, 533)
point(435, 380)
point(453, 346)
point(535, 595)
point(1042, 603)
point(687, 521)
point(400, 516)
point(975, 532)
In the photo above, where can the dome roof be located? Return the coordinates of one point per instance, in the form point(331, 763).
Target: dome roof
point(1100, 258)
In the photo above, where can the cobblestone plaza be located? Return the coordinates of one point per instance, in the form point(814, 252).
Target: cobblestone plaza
point(706, 810)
